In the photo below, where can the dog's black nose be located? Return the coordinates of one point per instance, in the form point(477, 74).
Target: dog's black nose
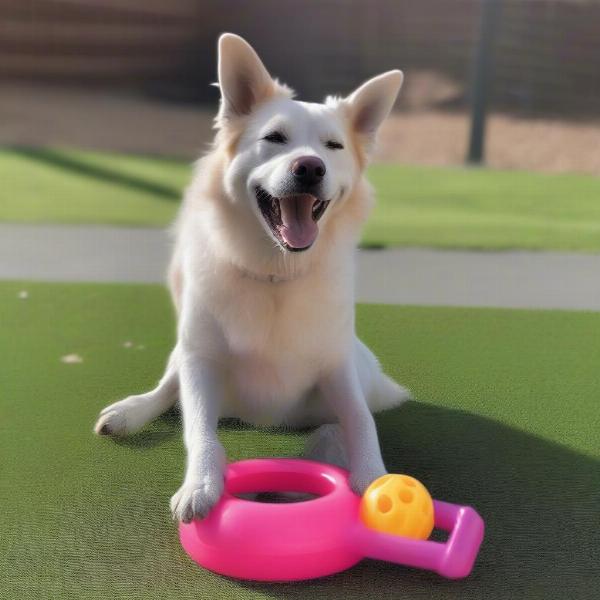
point(308, 170)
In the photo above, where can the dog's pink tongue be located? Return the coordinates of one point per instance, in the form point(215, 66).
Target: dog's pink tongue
point(298, 228)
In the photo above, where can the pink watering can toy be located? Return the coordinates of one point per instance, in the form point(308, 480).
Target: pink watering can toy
point(330, 533)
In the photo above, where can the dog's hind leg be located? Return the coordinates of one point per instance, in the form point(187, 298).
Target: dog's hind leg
point(381, 391)
point(326, 444)
point(131, 414)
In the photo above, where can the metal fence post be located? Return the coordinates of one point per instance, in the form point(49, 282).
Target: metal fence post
point(481, 78)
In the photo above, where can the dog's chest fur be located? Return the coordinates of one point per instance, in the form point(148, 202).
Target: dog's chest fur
point(279, 338)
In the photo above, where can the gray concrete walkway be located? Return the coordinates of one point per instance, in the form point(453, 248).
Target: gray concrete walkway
point(396, 276)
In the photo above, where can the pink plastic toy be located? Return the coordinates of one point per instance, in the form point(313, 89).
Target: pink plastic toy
point(303, 540)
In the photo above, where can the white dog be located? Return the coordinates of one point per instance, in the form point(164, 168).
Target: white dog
point(262, 277)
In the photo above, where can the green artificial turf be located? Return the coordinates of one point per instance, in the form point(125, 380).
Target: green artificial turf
point(67, 186)
point(506, 418)
point(416, 206)
point(484, 209)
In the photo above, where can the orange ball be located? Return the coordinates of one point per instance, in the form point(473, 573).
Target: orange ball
point(398, 504)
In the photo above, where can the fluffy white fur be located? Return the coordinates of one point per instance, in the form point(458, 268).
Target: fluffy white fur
point(265, 334)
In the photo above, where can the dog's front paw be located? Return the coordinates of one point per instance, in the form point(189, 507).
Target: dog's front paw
point(193, 500)
point(362, 477)
point(123, 417)
point(111, 423)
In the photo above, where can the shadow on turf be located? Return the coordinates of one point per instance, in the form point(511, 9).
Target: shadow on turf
point(540, 501)
point(80, 166)
point(168, 426)
point(162, 430)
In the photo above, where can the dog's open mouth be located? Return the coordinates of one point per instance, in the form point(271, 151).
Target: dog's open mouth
point(292, 219)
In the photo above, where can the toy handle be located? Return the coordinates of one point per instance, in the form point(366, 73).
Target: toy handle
point(453, 559)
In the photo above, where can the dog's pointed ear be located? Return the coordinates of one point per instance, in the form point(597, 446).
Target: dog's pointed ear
point(371, 103)
point(243, 79)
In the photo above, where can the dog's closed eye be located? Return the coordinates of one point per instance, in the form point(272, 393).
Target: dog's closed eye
point(333, 145)
point(275, 137)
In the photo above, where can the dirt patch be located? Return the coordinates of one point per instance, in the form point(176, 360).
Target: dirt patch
point(441, 138)
point(45, 115)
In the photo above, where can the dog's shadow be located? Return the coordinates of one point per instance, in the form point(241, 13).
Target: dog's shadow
point(162, 430)
point(540, 502)
point(168, 426)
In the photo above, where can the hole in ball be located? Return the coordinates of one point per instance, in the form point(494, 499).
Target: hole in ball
point(384, 503)
point(406, 496)
point(381, 481)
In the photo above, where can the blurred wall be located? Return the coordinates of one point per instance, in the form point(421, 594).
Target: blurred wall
point(547, 51)
point(98, 41)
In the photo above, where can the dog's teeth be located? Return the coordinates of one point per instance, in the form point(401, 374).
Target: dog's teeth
point(275, 207)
